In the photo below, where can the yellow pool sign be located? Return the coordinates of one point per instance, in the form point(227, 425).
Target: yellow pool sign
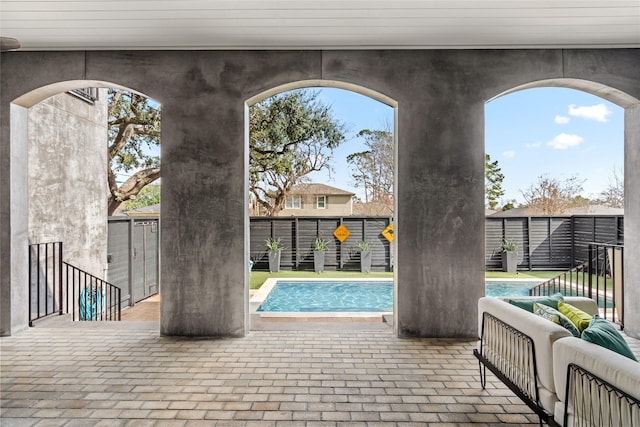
point(388, 233)
point(341, 233)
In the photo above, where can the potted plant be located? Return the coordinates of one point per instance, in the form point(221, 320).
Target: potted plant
point(365, 256)
point(509, 250)
point(275, 251)
point(319, 246)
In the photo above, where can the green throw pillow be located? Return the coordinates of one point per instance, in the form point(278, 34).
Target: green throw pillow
point(555, 316)
point(527, 304)
point(604, 334)
point(579, 318)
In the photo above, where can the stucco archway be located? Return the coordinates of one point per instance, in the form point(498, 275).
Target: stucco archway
point(631, 106)
point(75, 168)
point(439, 227)
point(314, 83)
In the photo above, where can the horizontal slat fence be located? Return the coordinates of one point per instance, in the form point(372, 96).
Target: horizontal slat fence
point(298, 234)
point(550, 242)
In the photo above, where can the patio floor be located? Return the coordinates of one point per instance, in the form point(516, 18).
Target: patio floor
point(125, 374)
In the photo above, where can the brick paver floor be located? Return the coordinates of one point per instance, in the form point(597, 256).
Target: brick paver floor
point(131, 376)
point(125, 374)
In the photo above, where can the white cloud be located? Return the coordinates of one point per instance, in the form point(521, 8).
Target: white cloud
point(509, 154)
point(534, 145)
point(561, 120)
point(564, 141)
point(597, 112)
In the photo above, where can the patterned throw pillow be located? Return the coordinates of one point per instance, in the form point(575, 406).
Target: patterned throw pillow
point(555, 316)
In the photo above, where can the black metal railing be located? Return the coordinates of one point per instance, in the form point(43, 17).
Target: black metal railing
point(97, 299)
point(45, 280)
point(56, 286)
point(601, 278)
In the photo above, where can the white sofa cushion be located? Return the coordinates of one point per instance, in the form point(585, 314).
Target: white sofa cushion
point(543, 333)
point(613, 368)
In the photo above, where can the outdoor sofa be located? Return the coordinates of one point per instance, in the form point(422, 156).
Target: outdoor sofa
point(563, 378)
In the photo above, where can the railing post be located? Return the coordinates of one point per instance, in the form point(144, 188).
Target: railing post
point(60, 289)
point(30, 284)
point(590, 270)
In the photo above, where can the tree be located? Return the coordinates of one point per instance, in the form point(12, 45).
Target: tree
point(613, 195)
point(552, 196)
point(133, 130)
point(372, 169)
point(149, 195)
point(493, 178)
point(290, 135)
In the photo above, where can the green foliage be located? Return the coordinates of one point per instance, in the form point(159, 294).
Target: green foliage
point(364, 246)
point(290, 135)
point(320, 244)
point(493, 178)
point(149, 195)
point(274, 244)
point(372, 169)
point(134, 129)
point(509, 245)
point(133, 134)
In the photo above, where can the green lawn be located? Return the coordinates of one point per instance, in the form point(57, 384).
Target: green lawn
point(259, 277)
point(522, 275)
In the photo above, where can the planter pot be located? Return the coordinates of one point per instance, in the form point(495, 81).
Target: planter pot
point(365, 262)
point(274, 261)
point(318, 261)
point(510, 262)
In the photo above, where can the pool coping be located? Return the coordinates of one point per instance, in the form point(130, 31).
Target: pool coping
point(261, 294)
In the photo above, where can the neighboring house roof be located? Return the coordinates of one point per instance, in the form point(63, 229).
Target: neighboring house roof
point(319, 189)
point(150, 210)
point(583, 210)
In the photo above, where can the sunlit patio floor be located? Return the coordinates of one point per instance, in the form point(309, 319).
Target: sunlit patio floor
point(126, 374)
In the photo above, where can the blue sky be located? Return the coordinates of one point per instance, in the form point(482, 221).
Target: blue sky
point(555, 131)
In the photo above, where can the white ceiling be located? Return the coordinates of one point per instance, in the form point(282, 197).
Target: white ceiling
point(315, 24)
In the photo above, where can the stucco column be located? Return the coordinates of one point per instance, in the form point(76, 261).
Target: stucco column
point(440, 218)
point(632, 221)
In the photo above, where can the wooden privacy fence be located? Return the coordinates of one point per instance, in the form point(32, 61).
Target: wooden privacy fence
point(544, 243)
point(550, 242)
point(298, 234)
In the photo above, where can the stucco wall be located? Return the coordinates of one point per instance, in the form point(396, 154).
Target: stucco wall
point(440, 98)
point(68, 178)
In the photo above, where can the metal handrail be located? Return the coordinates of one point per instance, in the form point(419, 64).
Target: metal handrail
point(97, 299)
point(56, 286)
point(601, 278)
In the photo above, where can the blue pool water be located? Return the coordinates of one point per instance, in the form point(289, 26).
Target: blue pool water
point(508, 288)
point(343, 296)
point(330, 296)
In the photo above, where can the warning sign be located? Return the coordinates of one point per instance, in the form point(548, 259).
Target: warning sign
point(341, 233)
point(388, 233)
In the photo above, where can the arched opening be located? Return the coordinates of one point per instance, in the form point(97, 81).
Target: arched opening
point(343, 254)
point(599, 171)
point(61, 132)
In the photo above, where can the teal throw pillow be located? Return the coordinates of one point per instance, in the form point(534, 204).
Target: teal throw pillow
point(527, 304)
point(603, 333)
point(556, 317)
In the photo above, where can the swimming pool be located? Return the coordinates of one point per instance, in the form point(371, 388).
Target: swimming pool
point(353, 296)
point(330, 296)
